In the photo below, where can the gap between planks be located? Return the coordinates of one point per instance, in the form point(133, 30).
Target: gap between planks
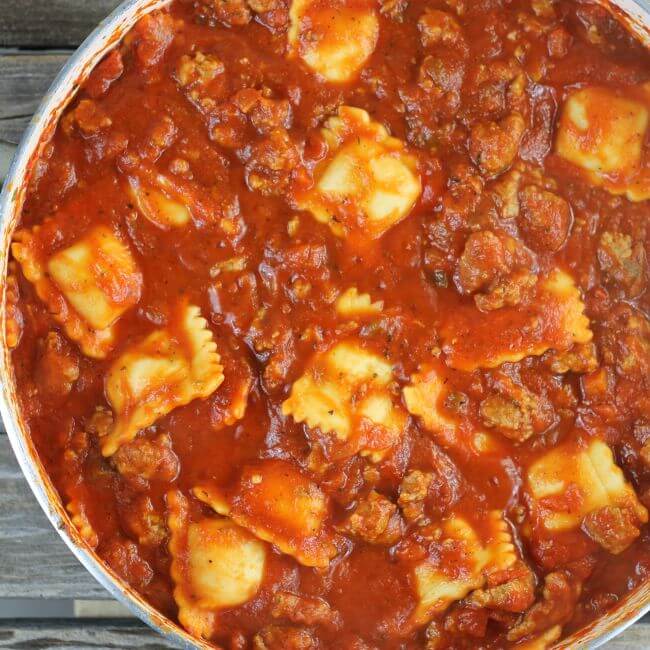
point(58, 608)
point(24, 79)
point(34, 561)
point(71, 635)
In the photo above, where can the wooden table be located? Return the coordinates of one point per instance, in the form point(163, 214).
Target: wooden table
point(36, 38)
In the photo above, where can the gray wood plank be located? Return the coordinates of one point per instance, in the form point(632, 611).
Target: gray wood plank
point(72, 635)
point(636, 637)
point(50, 23)
point(34, 562)
point(24, 79)
point(6, 153)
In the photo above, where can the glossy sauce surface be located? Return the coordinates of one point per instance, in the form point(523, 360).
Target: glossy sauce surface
point(358, 451)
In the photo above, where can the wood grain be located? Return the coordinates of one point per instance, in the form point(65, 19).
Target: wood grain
point(34, 561)
point(24, 79)
point(75, 635)
point(636, 637)
point(6, 154)
point(50, 23)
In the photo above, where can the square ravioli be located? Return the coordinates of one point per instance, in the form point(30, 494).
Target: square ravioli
point(98, 276)
point(334, 39)
point(555, 319)
point(279, 504)
point(575, 479)
point(156, 206)
point(603, 133)
point(367, 182)
point(346, 392)
point(216, 565)
point(465, 561)
point(167, 369)
point(425, 397)
point(86, 286)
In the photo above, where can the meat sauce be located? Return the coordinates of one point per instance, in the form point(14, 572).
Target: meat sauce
point(330, 321)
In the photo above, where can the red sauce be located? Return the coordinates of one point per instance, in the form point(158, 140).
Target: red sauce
point(232, 134)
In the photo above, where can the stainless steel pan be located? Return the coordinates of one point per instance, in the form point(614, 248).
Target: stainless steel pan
point(635, 13)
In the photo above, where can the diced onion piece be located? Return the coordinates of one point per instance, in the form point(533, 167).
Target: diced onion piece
point(157, 207)
point(352, 304)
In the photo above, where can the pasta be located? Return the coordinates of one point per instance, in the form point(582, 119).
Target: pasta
point(367, 183)
point(329, 319)
point(215, 565)
point(556, 320)
point(346, 393)
point(167, 369)
point(86, 286)
point(279, 505)
point(592, 472)
point(334, 41)
point(603, 133)
point(437, 589)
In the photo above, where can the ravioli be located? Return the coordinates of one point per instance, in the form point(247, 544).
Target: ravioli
point(367, 182)
point(279, 504)
point(555, 319)
point(352, 304)
point(559, 291)
point(572, 480)
point(13, 313)
point(602, 133)
point(169, 368)
point(464, 563)
point(333, 39)
point(90, 274)
point(156, 205)
point(424, 398)
point(345, 392)
point(79, 518)
point(215, 565)
point(86, 286)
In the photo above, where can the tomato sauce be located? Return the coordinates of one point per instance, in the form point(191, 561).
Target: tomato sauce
point(500, 312)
